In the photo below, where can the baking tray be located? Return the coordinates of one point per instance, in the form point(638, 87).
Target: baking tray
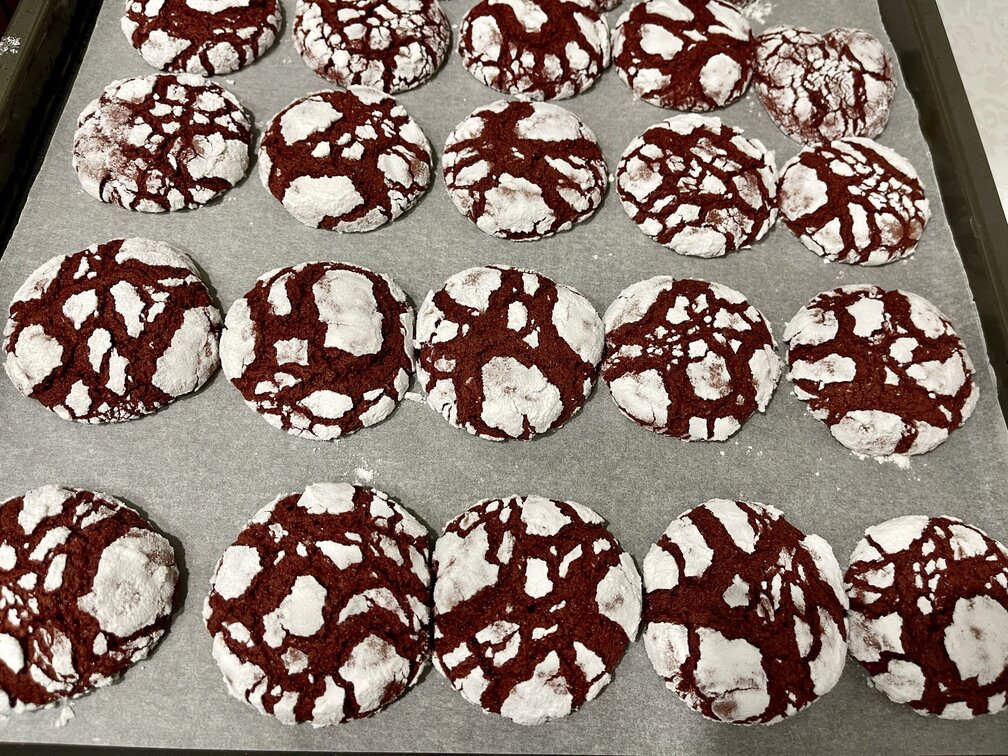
point(201, 467)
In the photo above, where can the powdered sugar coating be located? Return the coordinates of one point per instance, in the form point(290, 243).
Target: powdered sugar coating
point(162, 142)
point(113, 332)
point(86, 590)
point(205, 37)
point(537, 50)
point(745, 613)
point(684, 54)
point(391, 45)
point(687, 358)
point(698, 187)
point(820, 88)
point(507, 353)
point(320, 349)
point(345, 159)
point(929, 615)
point(534, 604)
point(884, 369)
point(524, 170)
point(319, 611)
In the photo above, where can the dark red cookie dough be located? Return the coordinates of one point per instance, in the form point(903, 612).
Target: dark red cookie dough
point(687, 358)
point(929, 615)
point(534, 604)
point(391, 45)
point(161, 142)
point(345, 159)
point(524, 170)
point(820, 88)
point(746, 615)
point(539, 49)
point(684, 54)
point(507, 353)
point(320, 349)
point(319, 611)
point(113, 332)
point(884, 369)
point(698, 186)
point(854, 201)
point(205, 37)
point(86, 590)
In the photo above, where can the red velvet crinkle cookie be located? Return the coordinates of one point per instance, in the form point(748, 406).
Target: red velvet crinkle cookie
point(820, 88)
point(113, 332)
point(689, 359)
point(684, 54)
point(854, 201)
point(320, 349)
point(745, 614)
point(391, 45)
point(534, 605)
point(507, 353)
point(345, 160)
point(538, 49)
point(929, 615)
point(697, 186)
point(86, 590)
point(161, 142)
point(884, 369)
point(205, 37)
point(319, 611)
point(524, 170)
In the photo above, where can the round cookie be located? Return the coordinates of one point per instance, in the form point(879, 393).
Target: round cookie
point(538, 49)
point(524, 170)
point(205, 37)
point(854, 201)
point(161, 142)
point(745, 614)
point(884, 369)
point(534, 605)
point(320, 349)
point(507, 353)
point(929, 615)
point(86, 590)
point(698, 186)
point(391, 45)
point(820, 88)
point(319, 611)
point(687, 358)
point(113, 332)
point(684, 54)
point(345, 159)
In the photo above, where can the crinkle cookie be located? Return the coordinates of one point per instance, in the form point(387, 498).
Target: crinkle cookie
point(345, 159)
point(684, 54)
point(745, 614)
point(507, 353)
point(818, 88)
point(687, 358)
point(320, 349)
point(319, 611)
point(537, 49)
point(698, 186)
point(205, 37)
point(86, 590)
point(391, 45)
point(884, 369)
point(929, 615)
point(534, 604)
point(854, 201)
point(524, 170)
point(113, 332)
point(161, 142)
